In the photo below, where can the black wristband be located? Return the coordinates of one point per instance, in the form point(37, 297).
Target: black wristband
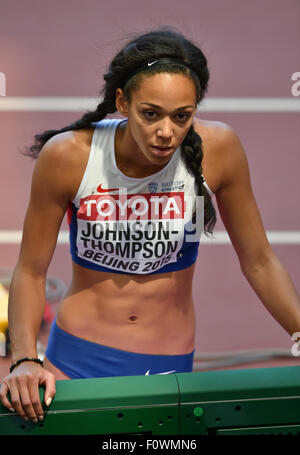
point(25, 359)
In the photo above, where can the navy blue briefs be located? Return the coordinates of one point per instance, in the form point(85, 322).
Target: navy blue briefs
point(79, 358)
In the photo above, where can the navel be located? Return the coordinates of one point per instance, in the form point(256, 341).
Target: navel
point(133, 318)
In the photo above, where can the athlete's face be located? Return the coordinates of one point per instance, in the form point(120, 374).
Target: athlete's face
point(160, 114)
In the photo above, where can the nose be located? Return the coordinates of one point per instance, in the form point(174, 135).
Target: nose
point(165, 129)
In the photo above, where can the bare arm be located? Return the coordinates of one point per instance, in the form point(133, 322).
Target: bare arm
point(258, 262)
point(43, 218)
point(51, 191)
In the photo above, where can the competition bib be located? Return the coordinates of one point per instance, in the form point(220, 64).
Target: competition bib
point(139, 233)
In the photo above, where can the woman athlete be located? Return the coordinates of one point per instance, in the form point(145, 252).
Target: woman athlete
point(129, 307)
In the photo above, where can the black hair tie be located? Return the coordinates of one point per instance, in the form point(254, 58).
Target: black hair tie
point(200, 180)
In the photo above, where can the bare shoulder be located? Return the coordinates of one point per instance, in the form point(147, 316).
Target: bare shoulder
point(63, 159)
point(216, 136)
point(68, 148)
point(223, 152)
point(211, 128)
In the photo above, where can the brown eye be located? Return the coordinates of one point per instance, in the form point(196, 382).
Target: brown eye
point(183, 117)
point(150, 115)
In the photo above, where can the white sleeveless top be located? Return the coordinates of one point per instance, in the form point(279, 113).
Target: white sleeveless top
point(124, 224)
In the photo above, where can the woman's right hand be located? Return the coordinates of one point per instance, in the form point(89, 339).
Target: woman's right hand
point(23, 385)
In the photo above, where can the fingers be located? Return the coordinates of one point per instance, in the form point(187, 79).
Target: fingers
point(34, 409)
point(16, 400)
point(24, 393)
point(48, 381)
point(24, 397)
point(3, 397)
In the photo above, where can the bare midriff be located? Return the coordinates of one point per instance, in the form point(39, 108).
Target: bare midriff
point(151, 314)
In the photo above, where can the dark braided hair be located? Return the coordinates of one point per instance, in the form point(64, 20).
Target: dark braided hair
point(159, 43)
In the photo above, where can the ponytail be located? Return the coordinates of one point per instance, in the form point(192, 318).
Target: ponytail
point(192, 154)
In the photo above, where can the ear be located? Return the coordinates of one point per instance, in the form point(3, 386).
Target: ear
point(121, 102)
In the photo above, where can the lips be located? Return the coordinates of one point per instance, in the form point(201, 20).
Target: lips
point(161, 151)
point(160, 147)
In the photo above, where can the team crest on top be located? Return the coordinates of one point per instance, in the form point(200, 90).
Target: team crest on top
point(152, 187)
point(176, 185)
